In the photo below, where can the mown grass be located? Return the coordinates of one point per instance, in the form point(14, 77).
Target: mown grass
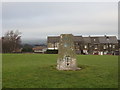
point(39, 71)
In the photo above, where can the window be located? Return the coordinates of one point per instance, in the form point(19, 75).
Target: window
point(107, 46)
point(113, 46)
point(110, 45)
point(85, 46)
point(94, 39)
point(104, 47)
point(56, 45)
point(96, 47)
point(52, 45)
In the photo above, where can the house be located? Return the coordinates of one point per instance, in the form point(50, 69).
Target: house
point(18, 50)
point(39, 49)
point(78, 42)
point(97, 45)
point(108, 45)
point(53, 43)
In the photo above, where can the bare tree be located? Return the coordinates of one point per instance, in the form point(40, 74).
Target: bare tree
point(11, 41)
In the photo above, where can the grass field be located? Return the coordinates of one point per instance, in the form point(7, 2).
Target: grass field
point(38, 71)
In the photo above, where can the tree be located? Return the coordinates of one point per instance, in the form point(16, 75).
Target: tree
point(11, 41)
point(27, 48)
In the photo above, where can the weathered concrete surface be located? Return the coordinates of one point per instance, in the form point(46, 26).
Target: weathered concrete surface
point(67, 56)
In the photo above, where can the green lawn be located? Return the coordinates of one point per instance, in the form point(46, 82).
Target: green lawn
point(38, 71)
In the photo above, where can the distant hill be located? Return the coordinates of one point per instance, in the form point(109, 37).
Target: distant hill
point(34, 41)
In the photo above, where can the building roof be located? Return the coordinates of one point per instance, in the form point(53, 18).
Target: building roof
point(94, 40)
point(56, 39)
point(87, 39)
point(53, 39)
point(102, 40)
point(108, 39)
point(112, 39)
point(78, 39)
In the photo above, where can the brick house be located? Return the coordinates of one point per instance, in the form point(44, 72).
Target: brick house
point(100, 45)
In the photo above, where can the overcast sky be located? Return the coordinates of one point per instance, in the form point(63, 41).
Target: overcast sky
point(37, 20)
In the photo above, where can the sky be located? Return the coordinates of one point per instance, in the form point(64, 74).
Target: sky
point(37, 20)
